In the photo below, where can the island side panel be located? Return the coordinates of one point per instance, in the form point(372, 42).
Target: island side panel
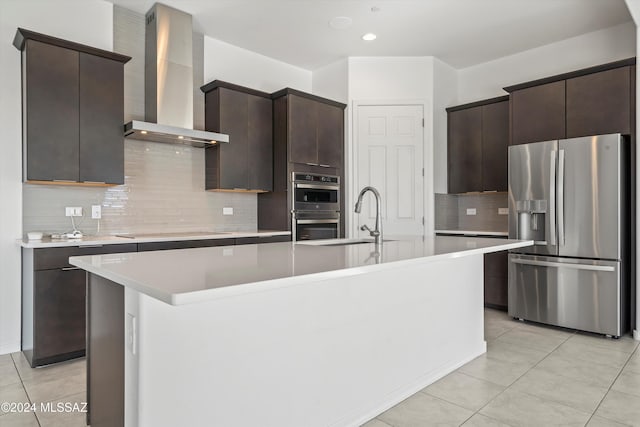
point(329, 353)
point(105, 352)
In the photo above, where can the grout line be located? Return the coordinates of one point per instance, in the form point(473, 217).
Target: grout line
point(611, 385)
point(15, 366)
point(512, 383)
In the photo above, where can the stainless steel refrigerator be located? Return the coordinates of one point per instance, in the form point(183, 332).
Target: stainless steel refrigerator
point(570, 196)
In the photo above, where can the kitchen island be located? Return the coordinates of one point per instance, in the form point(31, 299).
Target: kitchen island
point(279, 334)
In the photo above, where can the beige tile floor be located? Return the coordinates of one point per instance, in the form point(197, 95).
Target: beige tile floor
point(531, 376)
point(62, 382)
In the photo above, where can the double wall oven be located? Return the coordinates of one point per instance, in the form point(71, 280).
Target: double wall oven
point(316, 206)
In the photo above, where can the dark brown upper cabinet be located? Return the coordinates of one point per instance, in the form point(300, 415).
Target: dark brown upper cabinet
point(600, 103)
point(330, 135)
point(101, 117)
point(464, 150)
point(538, 113)
point(72, 110)
point(246, 115)
point(592, 101)
point(495, 146)
point(478, 136)
point(315, 129)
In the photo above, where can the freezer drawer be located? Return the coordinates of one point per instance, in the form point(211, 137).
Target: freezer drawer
point(578, 294)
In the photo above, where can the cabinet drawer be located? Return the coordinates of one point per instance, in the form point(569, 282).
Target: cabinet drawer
point(266, 239)
point(50, 258)
point(184, 244)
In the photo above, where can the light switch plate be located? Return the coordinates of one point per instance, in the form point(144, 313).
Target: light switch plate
point(503, 211)
point(96, 211)
point(471, 211)
point(227, 211)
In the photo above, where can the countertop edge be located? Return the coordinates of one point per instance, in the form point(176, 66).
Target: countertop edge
point(115, 240)
point(272, 284)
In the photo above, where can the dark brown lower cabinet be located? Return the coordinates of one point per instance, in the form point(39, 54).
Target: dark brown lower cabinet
point(59, 314)
point(54, 294)
point(496, 280)
point(184, 244)
point(267, 239)
point(53, 302)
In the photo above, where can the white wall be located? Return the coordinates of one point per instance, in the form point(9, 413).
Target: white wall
point(91, 22)
point(445, 94)
point(223, 61)
point(396, 78)
point(332, 81)
point(599, 47)
point(389, 80)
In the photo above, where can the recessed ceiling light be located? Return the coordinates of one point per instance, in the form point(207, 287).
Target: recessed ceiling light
point(340, 22)
point(369, 37)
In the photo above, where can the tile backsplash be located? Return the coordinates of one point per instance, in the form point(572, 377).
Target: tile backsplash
point(163, 191)
point(451, 212)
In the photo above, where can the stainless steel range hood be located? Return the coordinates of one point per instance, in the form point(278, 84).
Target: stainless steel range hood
point(169, 82)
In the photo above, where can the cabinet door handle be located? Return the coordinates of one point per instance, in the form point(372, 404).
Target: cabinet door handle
point(70, 268)
point(94, 182)
point(325, 166)
point(64, 180)
point(311, 164)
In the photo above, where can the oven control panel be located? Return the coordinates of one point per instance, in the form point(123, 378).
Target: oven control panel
point(310, 177)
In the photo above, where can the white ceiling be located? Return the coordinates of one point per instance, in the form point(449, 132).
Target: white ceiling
point(459, 32)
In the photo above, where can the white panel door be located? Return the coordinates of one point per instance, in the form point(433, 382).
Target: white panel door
point(389, 157)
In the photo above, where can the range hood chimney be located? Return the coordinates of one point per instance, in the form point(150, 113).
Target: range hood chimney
point(169, 82)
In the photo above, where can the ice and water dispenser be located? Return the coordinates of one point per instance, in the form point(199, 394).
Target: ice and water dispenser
point(531, 219)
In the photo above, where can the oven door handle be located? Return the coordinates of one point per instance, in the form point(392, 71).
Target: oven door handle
point(318, 186)
point(317, 221)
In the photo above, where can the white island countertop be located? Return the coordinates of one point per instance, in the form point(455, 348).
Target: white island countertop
point(88, 240)
point(193, 275)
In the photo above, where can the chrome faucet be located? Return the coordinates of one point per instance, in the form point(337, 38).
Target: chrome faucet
point(377, 233)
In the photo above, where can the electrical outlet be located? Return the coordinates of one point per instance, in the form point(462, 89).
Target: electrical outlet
point(96, 211)
point(503, 211)
point(132, 333)
point(471, 211)
point(227, 211)
point(72, 211)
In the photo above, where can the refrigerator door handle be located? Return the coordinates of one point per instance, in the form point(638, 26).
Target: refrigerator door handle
point(561, 198)
point(552, 199)
point(564, 265)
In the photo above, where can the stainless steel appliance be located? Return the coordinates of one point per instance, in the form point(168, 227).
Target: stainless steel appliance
point(570, 197)
point(169, 82)
point(316, 206)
